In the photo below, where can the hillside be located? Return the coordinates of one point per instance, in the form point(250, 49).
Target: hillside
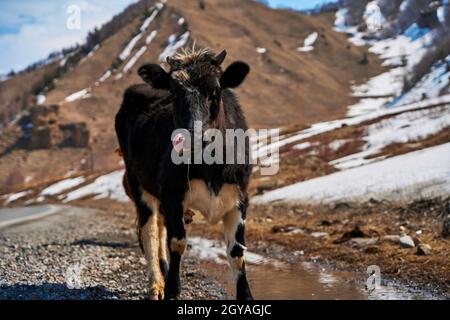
point(285, 87)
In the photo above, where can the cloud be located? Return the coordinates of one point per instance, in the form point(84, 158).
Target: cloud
point(30, 30)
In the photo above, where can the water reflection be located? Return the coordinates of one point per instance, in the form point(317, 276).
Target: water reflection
point(272, 279)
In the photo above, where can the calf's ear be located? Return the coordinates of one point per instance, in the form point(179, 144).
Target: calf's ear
point(155, 76)
point(234, 75)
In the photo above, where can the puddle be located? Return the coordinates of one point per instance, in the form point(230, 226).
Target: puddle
point(274, 280)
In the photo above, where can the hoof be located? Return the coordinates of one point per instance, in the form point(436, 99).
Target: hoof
point(156, 292)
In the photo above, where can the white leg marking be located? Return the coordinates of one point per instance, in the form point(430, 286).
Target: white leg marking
point(178, 245)
point(231, 221)
point(151, 243)
point(162, 238)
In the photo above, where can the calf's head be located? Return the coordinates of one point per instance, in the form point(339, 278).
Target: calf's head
point(196, 81)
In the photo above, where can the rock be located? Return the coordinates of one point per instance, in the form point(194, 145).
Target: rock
point(75, 135)
point(41, 138)
point(320, 235)
point(291, 229)
point(423, 249)
point(41, 130)
point(296, 231)
point(363, 242)
point(407, 242)
point(44, 115)
point(392, 238)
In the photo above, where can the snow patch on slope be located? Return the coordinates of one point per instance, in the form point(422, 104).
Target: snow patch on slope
point(430, 85)
point(134, 59)
point(373, 17)
point(104, 77)
point(400, 53)
point(82, 94)
point(266, 147)
point(15, 196)
point(61, 186)
point(149, 20)
point(308, 44)
point(130, 46)
point(107, 186)
point(403, 128)
point(40, 99)
point(261, 50)
point(415, 175)
point(174, 44)
point(151, 37)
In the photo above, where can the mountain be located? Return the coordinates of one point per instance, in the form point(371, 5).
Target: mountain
point(306, 70)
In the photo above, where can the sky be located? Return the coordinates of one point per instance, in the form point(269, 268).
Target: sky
point(30, 30)
point(295, 4)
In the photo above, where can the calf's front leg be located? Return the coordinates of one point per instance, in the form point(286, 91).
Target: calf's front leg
point(176, 240)
point(234, 231)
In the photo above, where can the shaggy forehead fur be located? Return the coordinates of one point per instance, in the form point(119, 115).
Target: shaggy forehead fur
point(193, 65)
point(192, 55)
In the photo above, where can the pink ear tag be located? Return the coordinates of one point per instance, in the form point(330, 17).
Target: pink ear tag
point(178, 142)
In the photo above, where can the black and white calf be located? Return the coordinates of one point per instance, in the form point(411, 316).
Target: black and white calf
point(194, 89)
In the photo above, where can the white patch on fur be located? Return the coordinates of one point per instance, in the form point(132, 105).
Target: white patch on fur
point(236, 265)
point(162, 238)
point(178, 245)
point(231, 221)
point(213, 207)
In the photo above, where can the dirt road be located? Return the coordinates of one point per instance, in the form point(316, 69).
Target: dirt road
point(83, 254)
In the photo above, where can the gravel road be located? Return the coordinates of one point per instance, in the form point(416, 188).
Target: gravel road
point(84, 254)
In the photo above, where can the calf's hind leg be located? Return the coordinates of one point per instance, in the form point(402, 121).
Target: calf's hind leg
point(147, 208)
point(150, 240)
